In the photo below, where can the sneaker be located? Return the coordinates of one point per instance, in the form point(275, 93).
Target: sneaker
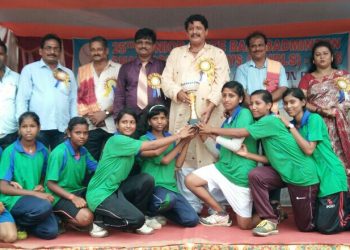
point(22, 235)
point(265, 228)
point(216, 220)
point(278, 211)
point(98, 232)
point(161, 219)
point(145, 230)
point(153, 223)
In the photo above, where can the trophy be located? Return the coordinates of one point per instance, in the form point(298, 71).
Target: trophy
point(191, 89)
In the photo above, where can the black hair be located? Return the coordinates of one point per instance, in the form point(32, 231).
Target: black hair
point(145, 33)
point(125, 111)
point(76, 121)
point(3, 45)
point(156, 110)
point(318, 44)
point(255, 34)
point(196, 17)
point(265, 95)
point(295, 92)
point(29, 114)
point(236, 87)
point(99, 39)
point(50, 37)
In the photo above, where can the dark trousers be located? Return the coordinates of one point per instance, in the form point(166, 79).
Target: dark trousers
point(173, 206)
point(303, 198)
point(96, 141)
point(35, 215)
point(8, 139)
point(125, 208)
point(51, 138)
point(332, 214)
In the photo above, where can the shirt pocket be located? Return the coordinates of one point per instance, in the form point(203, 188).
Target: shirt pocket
point(63, 87)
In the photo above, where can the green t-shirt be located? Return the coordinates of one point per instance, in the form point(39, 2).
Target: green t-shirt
point(234, 167)
point(117, 160)
point(68, 172)
point(283, 152)
point(25, 169)
point(330, 170)
point(164, 175)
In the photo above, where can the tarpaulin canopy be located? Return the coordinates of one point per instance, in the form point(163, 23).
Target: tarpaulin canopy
point(121, 18)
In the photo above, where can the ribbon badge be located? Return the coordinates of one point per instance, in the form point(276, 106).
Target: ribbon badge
point(206, 67)
point(343, 84)
point(61, 77)
point(109, 85)
point(154, 80)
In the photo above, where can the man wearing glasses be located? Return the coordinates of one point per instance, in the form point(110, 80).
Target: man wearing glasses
point(50, 90)
point(139, 81)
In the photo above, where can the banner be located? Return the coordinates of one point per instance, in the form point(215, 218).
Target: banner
point(293, 53)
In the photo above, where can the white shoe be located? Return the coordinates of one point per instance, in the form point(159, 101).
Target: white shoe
point(98, 232)
point(161, 219)
point(216, 220)
point(145, 230)
point(153, 223)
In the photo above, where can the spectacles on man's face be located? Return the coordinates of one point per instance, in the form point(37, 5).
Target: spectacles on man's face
point(54, 49)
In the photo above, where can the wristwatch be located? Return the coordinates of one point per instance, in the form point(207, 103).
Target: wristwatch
point(107, 112)
point(291, 125)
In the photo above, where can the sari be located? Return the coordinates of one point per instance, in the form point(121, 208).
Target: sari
point(325, 93)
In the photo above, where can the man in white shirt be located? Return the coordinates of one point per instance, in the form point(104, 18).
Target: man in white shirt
point(8, 89)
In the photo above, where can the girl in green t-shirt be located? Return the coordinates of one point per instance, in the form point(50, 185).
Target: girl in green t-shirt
point(311, 134)
point(25, 162)
point(230, 173)
point(117, 199)
point(69, 164)
point(161, 164)
point(289, 167)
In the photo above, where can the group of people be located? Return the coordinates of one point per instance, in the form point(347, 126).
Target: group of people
point(115, 149)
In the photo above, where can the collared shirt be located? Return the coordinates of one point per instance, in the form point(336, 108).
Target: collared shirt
point(66, 170)
point(39, 91)
point(8, 90)
point(126, 94)
point(252, 78)
point(23, 168)
point(105, 85)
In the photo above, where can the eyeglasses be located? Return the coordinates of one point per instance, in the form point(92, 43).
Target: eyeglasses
point(49, 48)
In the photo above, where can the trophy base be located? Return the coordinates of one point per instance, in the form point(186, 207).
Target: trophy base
point(193, 121)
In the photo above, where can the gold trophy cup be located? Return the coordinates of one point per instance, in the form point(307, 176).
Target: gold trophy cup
point(191, 89)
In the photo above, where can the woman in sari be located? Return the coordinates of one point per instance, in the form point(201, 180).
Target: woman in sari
point(328, 94)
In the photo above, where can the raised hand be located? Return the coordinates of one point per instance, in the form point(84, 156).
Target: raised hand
point(183, 97)
point(204, 128)
point(186, 132)
point(284, 120)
